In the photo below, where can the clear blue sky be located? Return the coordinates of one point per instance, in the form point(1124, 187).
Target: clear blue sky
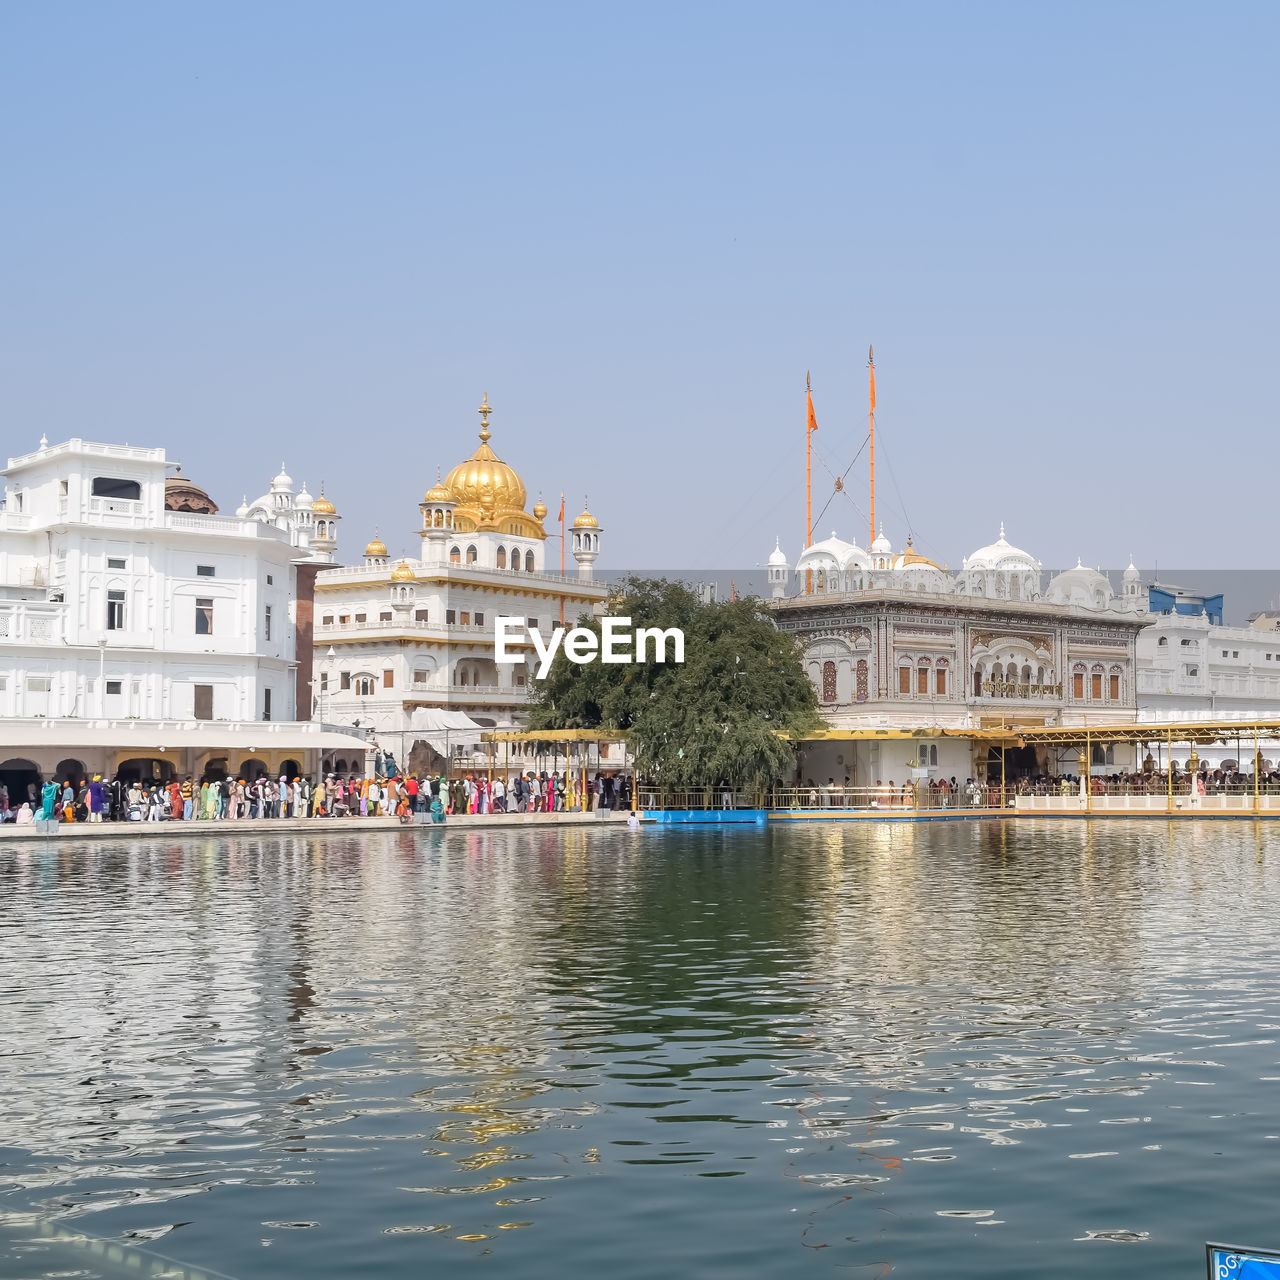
point(319, 231)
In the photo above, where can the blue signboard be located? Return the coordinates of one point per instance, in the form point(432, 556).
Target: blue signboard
point(1226, 1262)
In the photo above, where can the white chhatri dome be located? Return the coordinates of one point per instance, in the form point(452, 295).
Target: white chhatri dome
point(304, 501)
point(1001, 555)
point(1081, 586)
point(777, 557)
point(881, 546)
point(833, 552)
point(283, 483)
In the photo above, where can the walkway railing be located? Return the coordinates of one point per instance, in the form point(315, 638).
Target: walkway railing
point(787, 799)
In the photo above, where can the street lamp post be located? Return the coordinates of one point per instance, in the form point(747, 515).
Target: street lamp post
point(328, 680)
point(102, 683)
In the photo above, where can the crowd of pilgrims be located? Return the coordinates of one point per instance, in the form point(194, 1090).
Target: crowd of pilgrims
point(1153, 782)
point(941, 793)
point(408, 797)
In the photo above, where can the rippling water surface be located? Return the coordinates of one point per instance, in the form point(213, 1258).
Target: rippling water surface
point(962, 1050)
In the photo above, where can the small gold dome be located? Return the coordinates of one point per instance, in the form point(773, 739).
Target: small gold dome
point(911, 556)
point(586, 520)
point(540, 510)
point(322, 506)
point(376, 548)
point(402, 573)
point(437, 492)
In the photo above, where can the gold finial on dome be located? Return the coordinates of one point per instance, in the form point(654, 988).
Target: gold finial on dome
point(540, 509)
point(586, 520)
point(484, 412)
point(402, 573)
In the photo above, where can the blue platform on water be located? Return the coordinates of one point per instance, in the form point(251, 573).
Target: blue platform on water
point(706, 817)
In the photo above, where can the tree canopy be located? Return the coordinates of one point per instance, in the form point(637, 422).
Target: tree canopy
point(714, 718)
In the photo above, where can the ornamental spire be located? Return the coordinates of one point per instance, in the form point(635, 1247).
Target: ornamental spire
point(484, 412)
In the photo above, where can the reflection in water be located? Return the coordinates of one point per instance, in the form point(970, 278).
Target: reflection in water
point(973, 1049)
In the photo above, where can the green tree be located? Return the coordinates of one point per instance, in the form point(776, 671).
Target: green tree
point(714, 718)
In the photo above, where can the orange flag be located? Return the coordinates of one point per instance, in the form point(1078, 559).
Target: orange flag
point(871, 364)
point(813, 422)
point(560, 517)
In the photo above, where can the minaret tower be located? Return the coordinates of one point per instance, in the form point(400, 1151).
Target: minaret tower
point(586, 542)
point(376, 555)
point(1132, 588)
point(324, 538)
point(437, 508)
point(778, 568)
point(403, 587)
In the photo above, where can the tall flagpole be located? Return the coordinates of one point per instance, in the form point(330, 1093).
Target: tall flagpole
point(562, 555)
point(809, 425)
point(808, 465)
point(871, 416)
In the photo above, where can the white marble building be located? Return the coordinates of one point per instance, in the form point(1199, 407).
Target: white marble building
point(405, 645)
point(126, 601)
point(895, 641)
point(1192, 669)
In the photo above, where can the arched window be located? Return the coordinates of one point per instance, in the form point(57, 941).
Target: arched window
point(1077, 680)
point(1113, 691)
point(1163, 640)
point(1095, 683)
point(940, 677)
point(455, 555)
point(862, 680)
point(828, 682)
point(501, 559)
point(977, 681)
point(364, 686)
point(933, 754)
point(528, 562)
point(1039, 675)
point(904, 679)
point(1026, 673)
point(471, 554)
point(922, 677)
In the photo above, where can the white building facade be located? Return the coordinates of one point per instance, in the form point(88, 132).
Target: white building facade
point(1193, 669)
point(895, 641)
point(405, 646)
point(118, 609)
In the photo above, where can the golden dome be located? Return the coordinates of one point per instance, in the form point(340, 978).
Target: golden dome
point(376, 548)
point(402, 573)
point(586, 520)
point(484, 483)
point(322, 506)
point(540, 509)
